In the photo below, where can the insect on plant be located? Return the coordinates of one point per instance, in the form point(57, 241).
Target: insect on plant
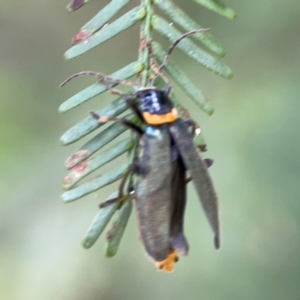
point(164, 144)
point(166, 152)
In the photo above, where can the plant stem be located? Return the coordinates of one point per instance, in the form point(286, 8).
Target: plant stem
point(145, 38)
point(144, 57)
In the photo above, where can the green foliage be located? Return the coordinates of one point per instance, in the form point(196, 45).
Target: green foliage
point(115, 234)
point(99, 223)
point(95, 33)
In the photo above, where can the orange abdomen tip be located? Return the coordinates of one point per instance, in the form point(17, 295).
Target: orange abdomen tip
point(167, 265)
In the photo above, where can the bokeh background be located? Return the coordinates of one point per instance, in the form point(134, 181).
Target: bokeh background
point(253, 137)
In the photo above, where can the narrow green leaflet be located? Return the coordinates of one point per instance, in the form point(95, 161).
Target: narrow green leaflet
point(191, 49)
point(100, 222)
point(106, 33)
point(182, 80)
point(87, 167)
point(97, 142)
point(218, 7)
point(104, 15)
point(97, 88)
point(95, 184)
point(115, 234)
point(179, 17)
point(89, 124)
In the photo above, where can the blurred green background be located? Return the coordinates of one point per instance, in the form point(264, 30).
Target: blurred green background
point(253, 137)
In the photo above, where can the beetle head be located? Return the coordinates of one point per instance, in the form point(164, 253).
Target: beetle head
point(154, 101)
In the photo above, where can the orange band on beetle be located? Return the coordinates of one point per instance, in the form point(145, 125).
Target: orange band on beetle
point(160, 119)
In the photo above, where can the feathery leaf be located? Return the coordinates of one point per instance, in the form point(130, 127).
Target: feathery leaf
point(218, 7)
point(87, 167)
point(104, 15)
point(89, 124)
point(179, 17)
point(183, 81)
point(97, 88)
point(100, 222)
point(115, 234)
point(95, 184)
point(96, 32)
point(191, 49)
point(99, 141)
point(113, 29)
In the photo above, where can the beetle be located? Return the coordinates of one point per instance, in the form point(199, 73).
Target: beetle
point(153, 191)
point(167, 151)
point(157, 108)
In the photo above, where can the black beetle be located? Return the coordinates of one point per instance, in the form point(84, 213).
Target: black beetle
point(167, 151)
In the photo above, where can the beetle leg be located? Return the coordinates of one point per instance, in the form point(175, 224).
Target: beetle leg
point(195, 131)
point(208, 162)
point(126, 123)
point(134, 108)
point(114, 200)
point(195, 127)
point(108, 202)
point(133, 168)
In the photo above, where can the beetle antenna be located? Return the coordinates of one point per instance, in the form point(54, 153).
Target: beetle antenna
point(103, 79)
point(123, 121)
point(187, 34)
point(83, 73)
point(155, 69)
